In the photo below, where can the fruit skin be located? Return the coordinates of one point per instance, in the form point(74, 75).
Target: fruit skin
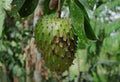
point(56, 40)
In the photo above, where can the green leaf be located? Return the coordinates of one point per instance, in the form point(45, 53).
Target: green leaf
point(111, 44)
point(16, 5)
point(7, 4)
point(17, 71)
point(87, 27)
point(112, 27)
point(114, 4)
point(77, 19)
point(28, 7)
point(2, 17)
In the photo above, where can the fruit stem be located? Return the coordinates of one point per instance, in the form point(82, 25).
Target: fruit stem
point(59, 9)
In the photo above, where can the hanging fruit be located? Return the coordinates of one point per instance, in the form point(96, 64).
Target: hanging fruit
point(56, 40)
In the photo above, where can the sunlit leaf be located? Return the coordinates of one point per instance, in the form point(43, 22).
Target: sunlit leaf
point(77, 19)
point(17, 71)
point(111, 44)
point(87, 27)
point(88, 3)
point(114, 3)
point(6, 4)
point(112, 27)
point(2, 17)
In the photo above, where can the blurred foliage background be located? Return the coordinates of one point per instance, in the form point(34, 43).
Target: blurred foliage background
point(98, 61)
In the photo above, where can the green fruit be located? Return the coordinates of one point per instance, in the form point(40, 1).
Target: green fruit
point(56, 40)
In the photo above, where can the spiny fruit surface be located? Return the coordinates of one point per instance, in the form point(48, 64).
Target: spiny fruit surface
point(56, 40)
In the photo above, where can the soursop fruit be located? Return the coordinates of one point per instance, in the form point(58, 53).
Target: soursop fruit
point(56, 41)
